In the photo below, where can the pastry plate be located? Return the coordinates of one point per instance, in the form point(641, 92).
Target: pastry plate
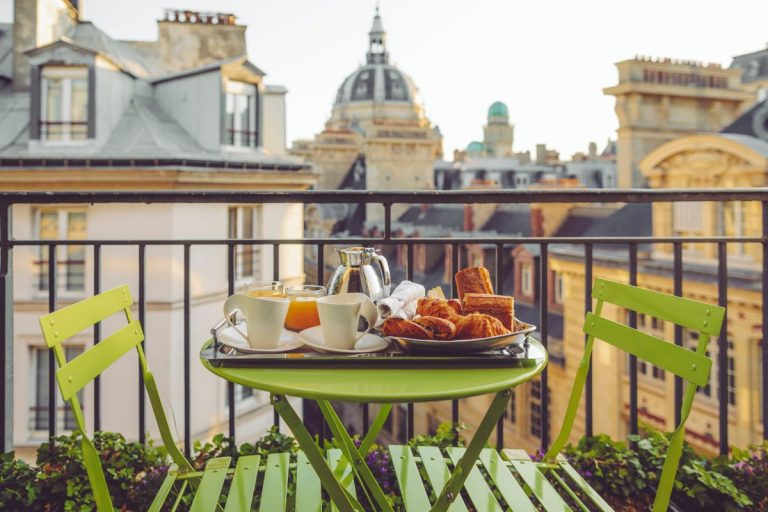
point(466, 346)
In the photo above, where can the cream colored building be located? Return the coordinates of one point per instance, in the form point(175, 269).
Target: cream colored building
point(82, 111)
point(658, 100)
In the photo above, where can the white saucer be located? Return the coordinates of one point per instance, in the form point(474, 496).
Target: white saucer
point(313, 337)
point(289, 340)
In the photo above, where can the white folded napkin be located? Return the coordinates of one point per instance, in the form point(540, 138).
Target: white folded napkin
point(402, 302)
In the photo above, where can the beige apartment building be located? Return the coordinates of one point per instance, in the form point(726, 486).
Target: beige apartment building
point(80, 110)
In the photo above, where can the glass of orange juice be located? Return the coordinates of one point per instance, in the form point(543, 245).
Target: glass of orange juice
point(262, 289)
point(302, 310)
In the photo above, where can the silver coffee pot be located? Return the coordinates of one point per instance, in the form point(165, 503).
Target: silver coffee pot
point(362, 269)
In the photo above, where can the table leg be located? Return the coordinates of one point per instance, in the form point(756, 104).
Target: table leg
point(337, 493)
point(354, 456)
point(375, 428)
point(461, 472)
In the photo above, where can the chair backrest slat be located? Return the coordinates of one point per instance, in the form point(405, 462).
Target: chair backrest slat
point(66, 322)
point(684, 363)
point(688, 313)
point(78, 372)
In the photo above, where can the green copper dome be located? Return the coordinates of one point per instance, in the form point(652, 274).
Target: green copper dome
point(498, 109)
point(475, 147)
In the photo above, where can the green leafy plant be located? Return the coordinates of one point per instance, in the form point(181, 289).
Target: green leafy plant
point(17, 483)
point(617, 471)
point(626, 475)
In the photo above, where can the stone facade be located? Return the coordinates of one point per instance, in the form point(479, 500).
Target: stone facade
point(658, 100)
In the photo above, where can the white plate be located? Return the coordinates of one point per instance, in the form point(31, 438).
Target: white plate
point(313, 337)
point(289, 340)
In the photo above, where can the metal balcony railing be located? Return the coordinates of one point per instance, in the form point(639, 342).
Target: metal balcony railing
point(499, 245)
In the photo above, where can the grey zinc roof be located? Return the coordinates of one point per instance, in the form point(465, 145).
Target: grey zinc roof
point(510, 221)
point(14, 119)
point(146, 130)
point(630, 220)
point(88, 35)
point(758, 145)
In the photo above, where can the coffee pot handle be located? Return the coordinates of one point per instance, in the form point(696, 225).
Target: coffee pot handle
point(384, 266)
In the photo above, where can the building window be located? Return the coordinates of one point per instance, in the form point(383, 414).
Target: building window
point(64, 103)
point(38, 411)
point(687, 217)
point(558, 294)
point(244, 224)
point(241, 117)
point(526, 279)
point(732, 220)
point(62, 224)
point(692, 341)
point(536, 409)
point(654, 327)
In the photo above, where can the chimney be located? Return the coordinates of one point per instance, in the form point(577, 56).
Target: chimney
point(592, 151)
point(37, 23)
point(189, 39)
point(469, 224)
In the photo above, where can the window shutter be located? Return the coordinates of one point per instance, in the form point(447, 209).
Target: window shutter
point(91, 101)
point(34, 102)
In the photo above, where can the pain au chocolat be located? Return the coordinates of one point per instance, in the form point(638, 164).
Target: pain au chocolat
point(473, 280)
point(498, 306)
point(441, 329)
point(402, 328)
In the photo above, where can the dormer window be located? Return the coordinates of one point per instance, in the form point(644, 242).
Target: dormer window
point(64, 103)
point(241, 117)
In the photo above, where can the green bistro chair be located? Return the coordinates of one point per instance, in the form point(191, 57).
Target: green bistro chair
point(271, 472)
point(520, 484)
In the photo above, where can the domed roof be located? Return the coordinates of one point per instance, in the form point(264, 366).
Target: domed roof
point(498, 109)
point(377, 82)
point(475, 147)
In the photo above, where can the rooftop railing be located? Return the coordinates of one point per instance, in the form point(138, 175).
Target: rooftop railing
point(499, 244)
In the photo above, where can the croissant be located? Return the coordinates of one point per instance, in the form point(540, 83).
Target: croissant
point(436, 307)
point(441, 329)
point(402, 328)
point(456, 305)
point(479, 325)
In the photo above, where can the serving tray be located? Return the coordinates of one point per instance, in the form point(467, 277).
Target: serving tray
point(524, 354)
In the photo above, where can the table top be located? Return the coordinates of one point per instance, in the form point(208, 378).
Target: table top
point(381, 385)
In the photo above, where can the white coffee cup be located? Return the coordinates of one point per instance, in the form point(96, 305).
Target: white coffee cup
point(339, 317)
point(264, 318)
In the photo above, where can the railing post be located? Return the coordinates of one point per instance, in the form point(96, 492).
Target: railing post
point(6, 324)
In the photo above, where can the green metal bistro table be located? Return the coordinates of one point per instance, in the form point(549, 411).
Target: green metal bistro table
point(384, 385)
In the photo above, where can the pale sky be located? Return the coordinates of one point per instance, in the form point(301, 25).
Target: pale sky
point(547, 60)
